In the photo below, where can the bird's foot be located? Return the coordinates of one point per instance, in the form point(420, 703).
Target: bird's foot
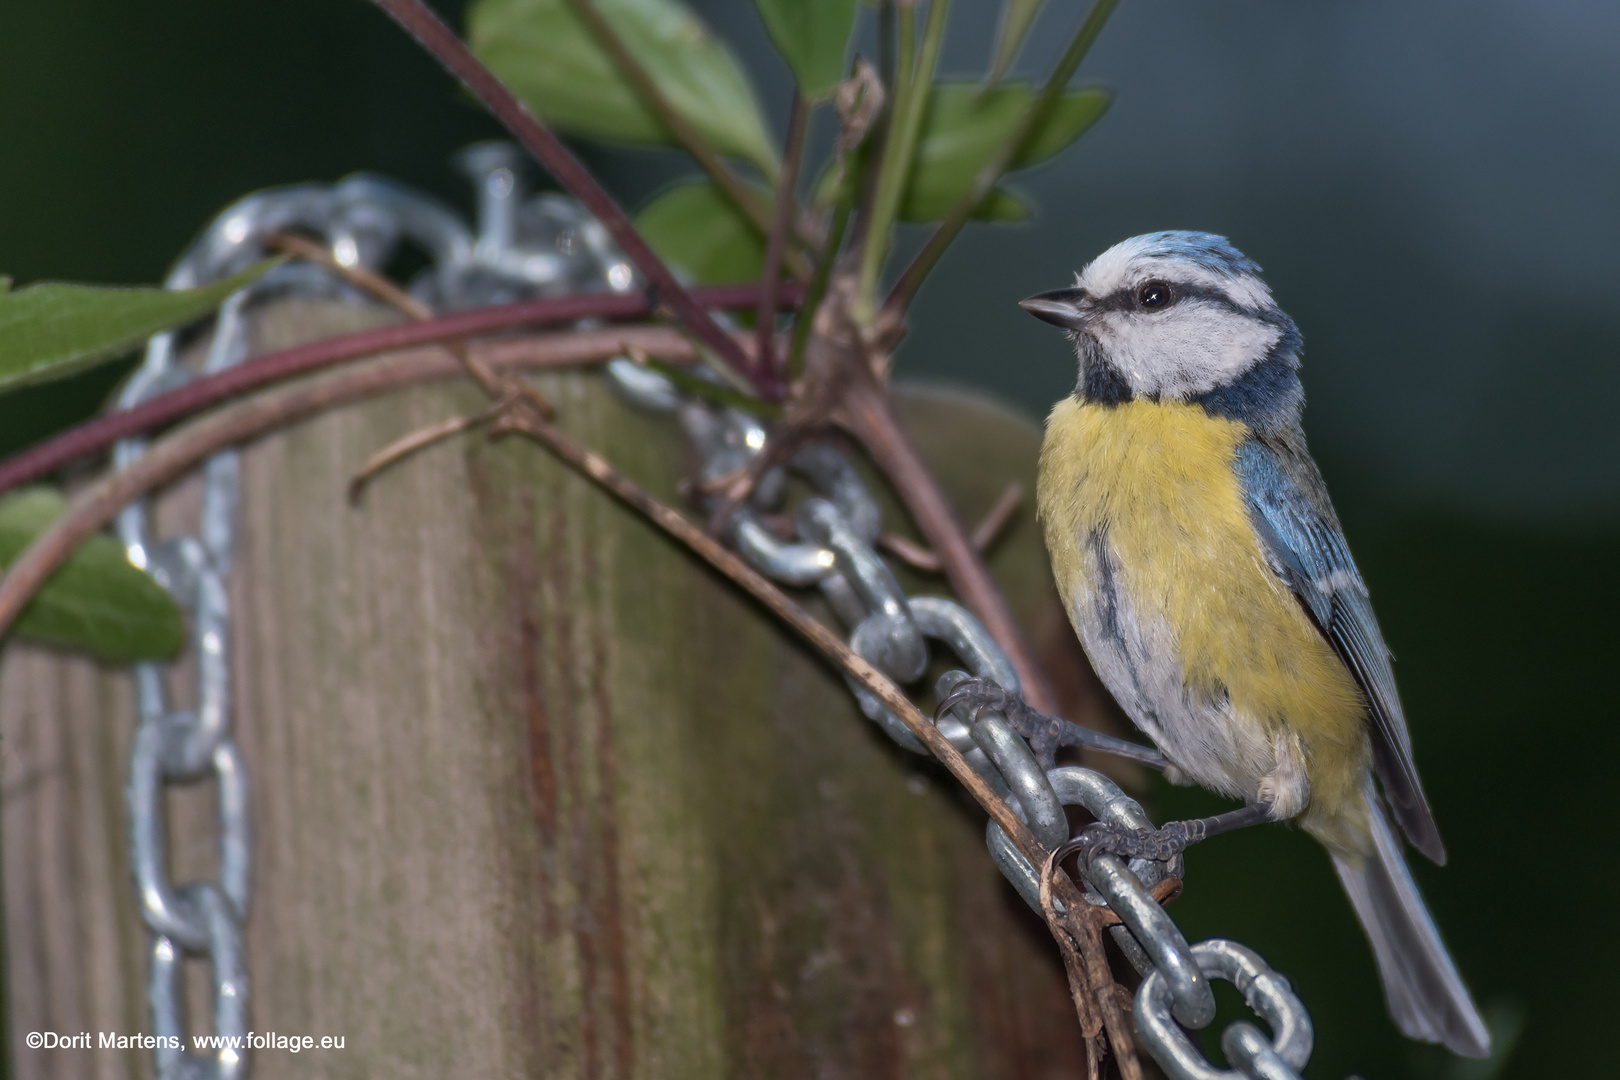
point(1043, 733)
point(1158, 845)
point(1163, 843)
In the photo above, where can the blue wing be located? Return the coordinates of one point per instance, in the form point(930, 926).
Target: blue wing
point(1291, 513)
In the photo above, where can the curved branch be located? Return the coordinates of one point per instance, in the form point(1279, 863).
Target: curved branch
point(50, 455)
point(95, 508)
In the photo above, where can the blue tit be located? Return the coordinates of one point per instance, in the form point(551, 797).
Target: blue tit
point(1206, 574)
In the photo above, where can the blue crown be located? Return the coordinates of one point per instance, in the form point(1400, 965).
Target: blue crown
point(1204, 250)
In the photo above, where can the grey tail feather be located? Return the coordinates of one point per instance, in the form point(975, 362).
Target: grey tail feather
point(1426, 996)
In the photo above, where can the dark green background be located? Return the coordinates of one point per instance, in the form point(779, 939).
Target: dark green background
point(1431, 189)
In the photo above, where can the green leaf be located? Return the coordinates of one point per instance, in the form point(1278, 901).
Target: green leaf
point(52, 330)
point(550, 60)
point(1002, 205)
point(964, 126)
point(1017, 16)
point(812, 36)
point(97, 602)
point(694, 226)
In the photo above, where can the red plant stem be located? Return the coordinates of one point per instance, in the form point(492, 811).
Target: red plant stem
point(868, 415)
point(46, 457)
point(439, 40)
point(765, 318)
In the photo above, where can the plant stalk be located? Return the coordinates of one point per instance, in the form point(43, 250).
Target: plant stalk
point(804, 322)
point(985, 180)
point(786, 212)
point(913, 83)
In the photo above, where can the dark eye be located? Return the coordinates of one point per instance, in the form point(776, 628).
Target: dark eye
point(1155, 295)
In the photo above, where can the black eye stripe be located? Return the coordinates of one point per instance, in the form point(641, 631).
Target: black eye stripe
point(1127, 299)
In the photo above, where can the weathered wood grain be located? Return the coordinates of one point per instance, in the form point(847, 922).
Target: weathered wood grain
point(536, 794)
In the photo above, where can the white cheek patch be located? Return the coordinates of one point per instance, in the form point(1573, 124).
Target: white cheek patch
point(1188, 350)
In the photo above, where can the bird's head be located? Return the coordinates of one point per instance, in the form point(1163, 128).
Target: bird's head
point(1179, 316)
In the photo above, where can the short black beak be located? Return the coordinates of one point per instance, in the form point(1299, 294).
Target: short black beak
point(1060, 307)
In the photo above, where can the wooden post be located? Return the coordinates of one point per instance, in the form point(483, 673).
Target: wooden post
point(537, 794)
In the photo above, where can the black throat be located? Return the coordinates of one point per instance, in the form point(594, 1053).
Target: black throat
point(1101, 383)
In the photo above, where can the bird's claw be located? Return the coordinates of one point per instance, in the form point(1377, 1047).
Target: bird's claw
point(1042, 732)
point(977, 694)
point(1159, 845)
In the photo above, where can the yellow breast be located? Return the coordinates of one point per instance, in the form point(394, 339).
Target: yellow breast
point(1157, 482)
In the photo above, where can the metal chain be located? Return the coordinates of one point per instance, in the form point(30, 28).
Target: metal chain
point(836, 528)
point(545, 246)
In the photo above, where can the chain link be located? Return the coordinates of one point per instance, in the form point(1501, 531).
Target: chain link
point(1268, 993)
point(546, 246)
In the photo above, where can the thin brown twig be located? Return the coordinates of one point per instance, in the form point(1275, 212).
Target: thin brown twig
point(382, 289)
point(1078, 932)
point(915, 555)
point(984, 535)
point(440, 41)
point(735, 489)
point(596, 468)
point(1074, 965)
point(356, 274)
point(420, 439)
point(261, 371)
point(999, 515)
point(765, 317)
